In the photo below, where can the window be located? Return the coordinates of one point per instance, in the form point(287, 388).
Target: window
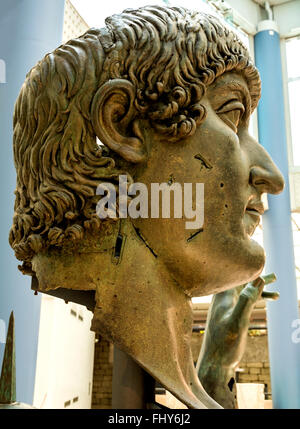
point(293, 72)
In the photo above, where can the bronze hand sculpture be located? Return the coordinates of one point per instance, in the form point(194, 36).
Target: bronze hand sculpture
point(225, 337)
point(169, 93)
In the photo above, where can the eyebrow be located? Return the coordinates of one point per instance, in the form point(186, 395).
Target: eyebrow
point(238, 87)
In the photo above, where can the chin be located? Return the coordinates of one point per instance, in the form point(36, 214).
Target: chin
point(244, 264)
point(248, 264)
point(256, 259)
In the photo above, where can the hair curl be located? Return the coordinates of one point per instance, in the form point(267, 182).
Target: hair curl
point(57, 159)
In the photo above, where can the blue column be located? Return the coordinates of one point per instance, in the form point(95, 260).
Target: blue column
point(277, 228)
point(28, 30)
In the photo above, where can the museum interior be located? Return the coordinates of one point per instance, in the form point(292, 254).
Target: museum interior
point(60, 363)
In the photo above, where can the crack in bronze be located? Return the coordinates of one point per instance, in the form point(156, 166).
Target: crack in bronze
point(144, 241)
point(203, 161)
point(194, 235)
point(118, 246)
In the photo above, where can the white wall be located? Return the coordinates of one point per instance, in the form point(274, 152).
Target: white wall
point(287, 16)
point(65, 356)
point(248, 9)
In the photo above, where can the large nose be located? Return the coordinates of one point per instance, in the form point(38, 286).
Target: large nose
point(264, 174)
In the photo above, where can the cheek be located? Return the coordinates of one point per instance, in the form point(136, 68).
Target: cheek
point(217, 143)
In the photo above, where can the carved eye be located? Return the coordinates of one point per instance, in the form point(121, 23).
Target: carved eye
point(231, 113)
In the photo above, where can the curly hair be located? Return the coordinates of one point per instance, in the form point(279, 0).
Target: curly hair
point(170, 55)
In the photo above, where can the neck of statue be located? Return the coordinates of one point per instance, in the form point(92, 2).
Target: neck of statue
point(139, 307)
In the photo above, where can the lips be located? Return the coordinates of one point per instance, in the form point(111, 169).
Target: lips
point(253, 212)
point(255, 207)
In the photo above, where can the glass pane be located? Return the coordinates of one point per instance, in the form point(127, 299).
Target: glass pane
point(296, 234)
point(294, 99)
point(292, 57)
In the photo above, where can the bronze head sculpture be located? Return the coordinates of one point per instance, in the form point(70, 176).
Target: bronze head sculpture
point(169, 93)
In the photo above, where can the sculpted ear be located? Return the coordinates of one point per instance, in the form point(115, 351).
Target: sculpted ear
point(113, 119)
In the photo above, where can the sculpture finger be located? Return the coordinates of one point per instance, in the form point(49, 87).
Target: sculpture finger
point(247, 300)
point(272, 296)
point(269, 278)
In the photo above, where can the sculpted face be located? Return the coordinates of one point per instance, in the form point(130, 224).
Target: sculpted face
point(236, 171)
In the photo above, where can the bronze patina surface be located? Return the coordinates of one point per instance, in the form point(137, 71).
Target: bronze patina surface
point(169, 93)
point(8, 372)
point(225, 338)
